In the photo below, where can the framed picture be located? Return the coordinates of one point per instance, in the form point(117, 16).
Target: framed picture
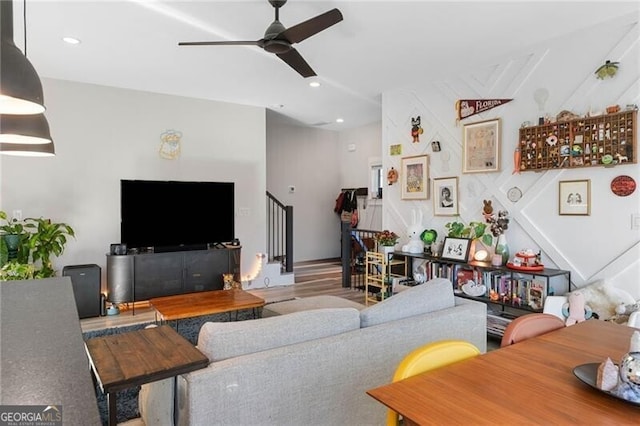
point(456, 249)
point(574, 197)
point(481, 147)
point(445, 196)
point(415, 177)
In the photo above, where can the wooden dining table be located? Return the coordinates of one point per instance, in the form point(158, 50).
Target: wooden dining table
point(531, 382)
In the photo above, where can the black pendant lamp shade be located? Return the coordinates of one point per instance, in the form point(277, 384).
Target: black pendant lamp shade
point(20, 86)
point(23, 150)
point(24, 129)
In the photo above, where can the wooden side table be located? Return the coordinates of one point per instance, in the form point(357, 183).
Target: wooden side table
point(121, 361)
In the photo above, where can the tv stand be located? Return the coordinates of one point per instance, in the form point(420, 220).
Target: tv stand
point(142, 276)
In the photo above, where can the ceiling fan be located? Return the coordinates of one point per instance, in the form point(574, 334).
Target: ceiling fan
point(279, 40)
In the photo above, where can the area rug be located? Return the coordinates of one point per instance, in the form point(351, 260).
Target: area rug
point(127, 400)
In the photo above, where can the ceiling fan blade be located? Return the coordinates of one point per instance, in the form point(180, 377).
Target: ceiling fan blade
point(312, 26)
point(295, 61)
point(222, 43)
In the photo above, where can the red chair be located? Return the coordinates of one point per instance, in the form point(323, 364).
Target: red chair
point(530, 325)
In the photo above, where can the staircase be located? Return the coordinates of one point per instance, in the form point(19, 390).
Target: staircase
point(276, 267)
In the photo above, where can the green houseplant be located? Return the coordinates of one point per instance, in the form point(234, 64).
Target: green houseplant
point(40, 240)
point(474, 231)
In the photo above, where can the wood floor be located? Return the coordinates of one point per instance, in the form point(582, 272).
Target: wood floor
point(311, 279)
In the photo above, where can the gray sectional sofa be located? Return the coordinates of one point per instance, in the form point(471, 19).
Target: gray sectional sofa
point(311, 367)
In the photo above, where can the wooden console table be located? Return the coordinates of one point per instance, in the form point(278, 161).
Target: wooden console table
point(121, 361)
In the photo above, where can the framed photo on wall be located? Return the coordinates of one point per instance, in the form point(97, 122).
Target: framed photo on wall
point(456, 249)
point(481, 147)
point(414, 177)
point(574, 197)
point(445, 196)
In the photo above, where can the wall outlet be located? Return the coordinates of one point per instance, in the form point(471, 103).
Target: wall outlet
point(244, 211)
point(17, 214)
point(635, 221)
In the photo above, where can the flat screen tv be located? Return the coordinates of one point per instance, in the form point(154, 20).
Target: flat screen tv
point(175, 215)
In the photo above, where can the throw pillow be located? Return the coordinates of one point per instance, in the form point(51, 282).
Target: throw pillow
point(431, 296)
point(222, 340)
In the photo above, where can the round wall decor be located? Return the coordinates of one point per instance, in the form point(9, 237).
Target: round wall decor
point(514, 194)
point(623, 185)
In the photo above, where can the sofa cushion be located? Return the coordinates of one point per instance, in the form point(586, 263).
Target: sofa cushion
point(308, 303)
point(222, 340)
point(431, 296)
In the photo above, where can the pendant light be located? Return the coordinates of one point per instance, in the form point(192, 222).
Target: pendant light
point(20, 86)
point(24, 130)
point(26, 150)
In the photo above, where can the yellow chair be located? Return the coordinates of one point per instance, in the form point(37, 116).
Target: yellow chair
point(429, 357)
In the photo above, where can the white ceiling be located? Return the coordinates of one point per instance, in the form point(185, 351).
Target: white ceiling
point(380, 45)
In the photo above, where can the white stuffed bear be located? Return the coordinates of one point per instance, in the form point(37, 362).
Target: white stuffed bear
point(415, 244)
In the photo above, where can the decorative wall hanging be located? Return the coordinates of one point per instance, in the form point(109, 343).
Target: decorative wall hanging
point(392, 176)
point(445, 196)
point(415, 177)
point(416, 130)
point(467, 107)
point(170, 144)
point(623, 185)
point(574, 197)
point(481, 147)
point(609, 69)
point(395, 149)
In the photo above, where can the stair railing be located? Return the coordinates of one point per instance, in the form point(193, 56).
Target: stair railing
point(355, 244)
point(280, 232)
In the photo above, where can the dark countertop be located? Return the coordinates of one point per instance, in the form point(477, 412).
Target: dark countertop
point(42, 355)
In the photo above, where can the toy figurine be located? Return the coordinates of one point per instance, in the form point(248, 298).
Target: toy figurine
point(416, 130)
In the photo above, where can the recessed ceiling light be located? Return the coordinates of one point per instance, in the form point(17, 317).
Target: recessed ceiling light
point(71, 40)
point(339, 120)
point(314, 84)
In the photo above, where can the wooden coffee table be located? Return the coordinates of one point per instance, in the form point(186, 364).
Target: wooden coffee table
point(121, 361)
point(170, 308)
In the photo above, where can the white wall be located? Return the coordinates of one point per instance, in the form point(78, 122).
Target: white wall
point(105, 134)
point(306, 158)
point(602, 245)
point(359, 149)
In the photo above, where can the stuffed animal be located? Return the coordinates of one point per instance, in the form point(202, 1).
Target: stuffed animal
point(415, 245)
point(576, 308)
point(623, 309)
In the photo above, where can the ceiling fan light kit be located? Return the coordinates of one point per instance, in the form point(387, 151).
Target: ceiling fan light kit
point(279, 40)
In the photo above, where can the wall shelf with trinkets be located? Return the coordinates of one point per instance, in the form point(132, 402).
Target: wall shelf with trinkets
point(603, 140)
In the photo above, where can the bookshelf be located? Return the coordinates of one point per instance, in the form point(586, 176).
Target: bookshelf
point(509, 292)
